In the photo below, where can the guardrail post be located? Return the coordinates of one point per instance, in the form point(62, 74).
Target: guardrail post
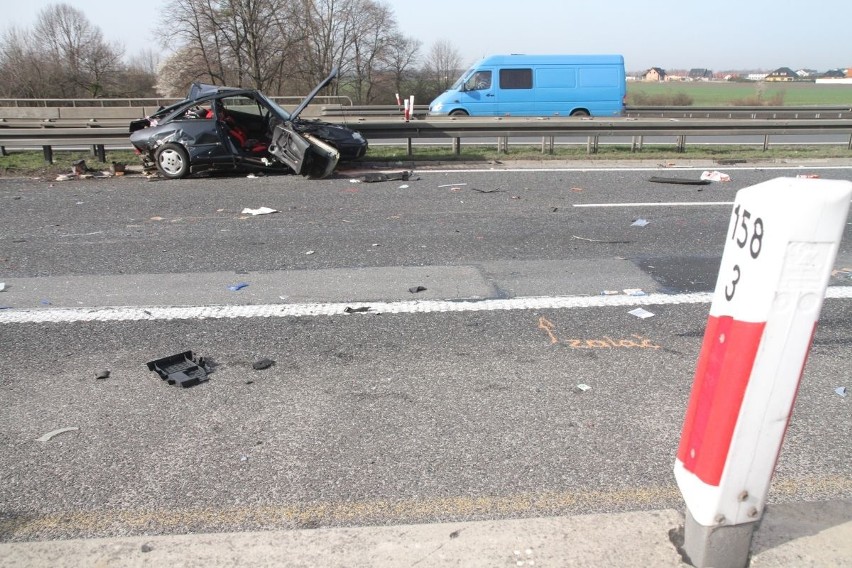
point(765, 142)
point(48, 154)
point(780, 247)
point(3, 151)
point(456, 146)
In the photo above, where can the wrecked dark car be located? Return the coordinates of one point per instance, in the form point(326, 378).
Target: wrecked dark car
point(227, 128)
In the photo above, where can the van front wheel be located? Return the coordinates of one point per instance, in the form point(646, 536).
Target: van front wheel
point(580, 112)
point(459, 112)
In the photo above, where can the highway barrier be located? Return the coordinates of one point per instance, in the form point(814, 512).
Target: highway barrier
point(453, 129)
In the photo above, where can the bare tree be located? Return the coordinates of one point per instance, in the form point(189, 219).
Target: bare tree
point(77, 49)
point(443, 64)
point(401, 58)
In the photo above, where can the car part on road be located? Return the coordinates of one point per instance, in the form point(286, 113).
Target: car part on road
point(677, 180)
point(261, 364)
point(182, 369)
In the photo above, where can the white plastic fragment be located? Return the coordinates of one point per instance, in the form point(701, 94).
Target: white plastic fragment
point(259, 211)
point(2, 286)
point(641, 313)
point(635, 292)
point(640, 223)
point(715, 176)
point(583, 387)
point(49, 435)
point(841, 391)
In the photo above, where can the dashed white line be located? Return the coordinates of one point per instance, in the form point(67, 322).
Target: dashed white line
point(166, 313)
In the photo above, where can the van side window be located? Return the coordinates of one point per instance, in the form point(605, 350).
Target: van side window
point(516, 79)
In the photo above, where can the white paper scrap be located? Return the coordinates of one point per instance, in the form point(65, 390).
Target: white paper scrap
point(641, 313)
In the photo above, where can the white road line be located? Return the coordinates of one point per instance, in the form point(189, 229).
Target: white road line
point(166, 313)
point(669, 204)
point(593, 169)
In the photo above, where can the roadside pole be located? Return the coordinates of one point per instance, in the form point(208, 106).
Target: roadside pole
point(780, 247)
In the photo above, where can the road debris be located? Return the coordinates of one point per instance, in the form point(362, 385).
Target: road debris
point(237, 286)
point(635, 292)
point(310, 252)
point(2, 286)
point(677, 180)
point(259, 211)
point(52, 434)
point(715, 176)
point(360, 310)
point(262, 364)
point(416, 289)
point(496, 190)
point(640, 223)
point(182, 369)
point(841, 391)
point(601, 241)
point(451, 185)
point(101, 375)
point(641, 313)
point(379, 177)
point(582, 387)
point(808, 176)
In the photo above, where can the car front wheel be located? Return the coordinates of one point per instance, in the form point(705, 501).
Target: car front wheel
point(172, 161)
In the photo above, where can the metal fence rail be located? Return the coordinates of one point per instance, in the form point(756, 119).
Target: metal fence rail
point(454, 129)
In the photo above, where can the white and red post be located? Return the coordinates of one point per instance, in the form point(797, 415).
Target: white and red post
point(780, 248)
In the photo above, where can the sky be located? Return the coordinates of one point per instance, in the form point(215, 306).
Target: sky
point(683, 34)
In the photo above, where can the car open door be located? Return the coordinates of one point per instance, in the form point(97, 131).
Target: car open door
point(303, 153)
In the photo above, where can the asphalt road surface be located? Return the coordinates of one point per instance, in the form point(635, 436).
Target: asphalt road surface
point(459, 401)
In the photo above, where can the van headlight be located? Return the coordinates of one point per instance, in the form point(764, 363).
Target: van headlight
point(437, 108)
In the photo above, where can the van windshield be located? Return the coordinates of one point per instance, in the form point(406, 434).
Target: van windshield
point(461, 80)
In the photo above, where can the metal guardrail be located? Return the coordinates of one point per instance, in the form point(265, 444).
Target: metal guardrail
point(732, 112)
point(502, 128)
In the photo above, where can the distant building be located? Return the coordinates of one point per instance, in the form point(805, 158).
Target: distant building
point(756, 76)
point(835, 74)
point(805, 73)
point(700, 74)
point(654, 74)
point(782, 74)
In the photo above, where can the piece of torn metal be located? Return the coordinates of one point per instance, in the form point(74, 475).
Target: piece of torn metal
point(182, 369)
point(259, 211)
point(52, 434)
point(678, 180)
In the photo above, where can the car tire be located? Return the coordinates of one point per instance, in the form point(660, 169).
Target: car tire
point(172, 161)
point(580, 112)
point(459, 112)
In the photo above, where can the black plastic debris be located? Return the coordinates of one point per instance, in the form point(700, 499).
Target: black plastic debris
point(683, 181)
point(100, 375)
point(182, 369)
point(416, 289)
point(351, 310)
point(379, 177)
point(261, 364)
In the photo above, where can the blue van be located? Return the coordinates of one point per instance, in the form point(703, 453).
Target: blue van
point(537, 85)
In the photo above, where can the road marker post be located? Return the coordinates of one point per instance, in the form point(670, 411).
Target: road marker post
point(780, 247)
